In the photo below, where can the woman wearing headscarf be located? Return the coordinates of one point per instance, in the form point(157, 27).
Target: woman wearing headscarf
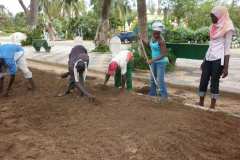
point(215, 63)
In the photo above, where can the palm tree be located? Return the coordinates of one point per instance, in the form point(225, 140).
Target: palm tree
point(151, 6)
point(103, 27)
point(32, 12)
point(159, 7)
point(122, 9)
point(53, 9)
point(142, 19)
point(69, 8)
point(50, 10)
point(73, 8)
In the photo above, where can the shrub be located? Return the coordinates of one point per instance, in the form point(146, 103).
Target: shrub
point(202, 35)
point(85, 25)
point(101, 48)
point(140, 61)
point(4, 33)
point(34, 34)
point(185, 35)
point(172, 61)
point(179, 35)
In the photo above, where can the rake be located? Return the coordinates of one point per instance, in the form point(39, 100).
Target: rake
point(150, 68)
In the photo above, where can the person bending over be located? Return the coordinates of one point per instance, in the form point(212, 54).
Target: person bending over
point(12, 58)
point(77, 67)
point(121, 67)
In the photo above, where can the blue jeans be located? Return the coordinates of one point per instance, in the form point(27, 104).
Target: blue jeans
point(159, 73)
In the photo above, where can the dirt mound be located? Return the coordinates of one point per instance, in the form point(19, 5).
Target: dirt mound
point(119, 126)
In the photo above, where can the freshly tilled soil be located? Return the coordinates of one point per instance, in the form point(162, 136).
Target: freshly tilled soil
point(117, 126)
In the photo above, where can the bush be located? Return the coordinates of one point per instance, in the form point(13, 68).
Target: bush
point(179, 35)
point(85, 25)
point(202, 35)
point(172, 61)
point(34, 34)
point(102, 48)
point(4, 34)
point(185, 35)
point(140, 61)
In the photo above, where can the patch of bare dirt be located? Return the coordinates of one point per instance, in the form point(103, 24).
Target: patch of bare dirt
point(40, 126)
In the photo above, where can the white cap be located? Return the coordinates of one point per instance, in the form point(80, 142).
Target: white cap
point(17, 37)
point(157, 26)
point(115, 45)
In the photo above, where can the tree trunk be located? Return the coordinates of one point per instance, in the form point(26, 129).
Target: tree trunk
point(23, 6)
point(51, 32)
point(234, 3)
point(103, 27)
point(142, 19)
point(165, 14)
point(159, 7)
point(31, 13)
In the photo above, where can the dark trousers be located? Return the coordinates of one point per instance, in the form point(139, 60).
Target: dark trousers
point(118, 77)
point(72, 83)
point(211, 71)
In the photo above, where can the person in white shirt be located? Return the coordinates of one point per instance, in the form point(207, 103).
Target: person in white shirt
point(121, 67)
point(215, 64)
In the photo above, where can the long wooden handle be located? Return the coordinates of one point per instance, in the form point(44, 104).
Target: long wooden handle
point(150, 68)
point(144, 50)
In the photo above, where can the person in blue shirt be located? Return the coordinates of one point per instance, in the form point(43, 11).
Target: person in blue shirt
point(12, 58)
point(158, 61)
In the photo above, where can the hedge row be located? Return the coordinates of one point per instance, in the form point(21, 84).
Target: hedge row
point(186, 35)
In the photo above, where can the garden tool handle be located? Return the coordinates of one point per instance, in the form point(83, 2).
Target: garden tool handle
point(145, 55)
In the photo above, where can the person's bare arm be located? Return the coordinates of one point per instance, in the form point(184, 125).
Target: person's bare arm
point(107, 77)
point(226, 64)
point(68, 90)
point(1, 84)
point(82, 89)
point(11, 81)
point(65, 75)
point(227, 45)
point(164, 52)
